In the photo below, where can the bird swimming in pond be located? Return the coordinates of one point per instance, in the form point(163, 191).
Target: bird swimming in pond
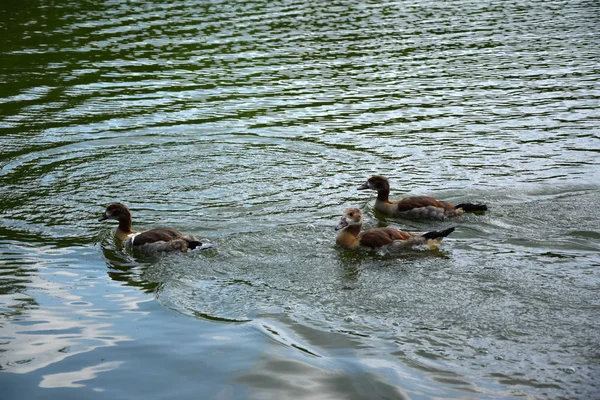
point(157, 239)
point(389, 239)
point(415, 207)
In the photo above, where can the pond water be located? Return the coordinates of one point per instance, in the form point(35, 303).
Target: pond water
point(252, 123)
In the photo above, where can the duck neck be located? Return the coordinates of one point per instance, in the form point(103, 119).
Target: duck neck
point(125, 224)
point(383, 195)
point(348, 237)
point(353, 230)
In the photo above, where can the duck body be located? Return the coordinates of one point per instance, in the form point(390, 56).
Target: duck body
point(414, 207)
point(387, 239)
point(157, 239)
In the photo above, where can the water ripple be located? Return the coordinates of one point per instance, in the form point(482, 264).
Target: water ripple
point(252, 123)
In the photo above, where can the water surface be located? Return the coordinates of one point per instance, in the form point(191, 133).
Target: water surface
point(252, 124)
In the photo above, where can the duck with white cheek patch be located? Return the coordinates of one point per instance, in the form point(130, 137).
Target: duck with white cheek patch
point(387, 239)
point(157, 239)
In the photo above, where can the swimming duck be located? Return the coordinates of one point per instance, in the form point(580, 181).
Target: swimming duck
point(415, 206)
point(157, 239)
point(389, 239)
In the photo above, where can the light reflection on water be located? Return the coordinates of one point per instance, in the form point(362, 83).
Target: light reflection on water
point(55, 323)
point(73, 379)
point(252, 124)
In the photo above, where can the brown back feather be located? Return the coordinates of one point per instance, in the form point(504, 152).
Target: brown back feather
point(378, 237)
point(421, 201)
point(156, 235)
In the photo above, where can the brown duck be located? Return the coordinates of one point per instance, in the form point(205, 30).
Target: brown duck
point(157, 239)
point(389, 239)
point(415, 207)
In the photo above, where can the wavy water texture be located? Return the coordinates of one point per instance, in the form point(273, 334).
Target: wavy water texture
point(252, 123)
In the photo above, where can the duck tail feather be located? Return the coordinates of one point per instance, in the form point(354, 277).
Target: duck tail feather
point(438, 234)
point(470, 207)
point(198, 245)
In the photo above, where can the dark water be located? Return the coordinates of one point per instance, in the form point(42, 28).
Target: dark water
point(252, 123)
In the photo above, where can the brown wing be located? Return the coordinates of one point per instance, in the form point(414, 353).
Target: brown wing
point(156, 235)
point(410, 203)
point(378, 237)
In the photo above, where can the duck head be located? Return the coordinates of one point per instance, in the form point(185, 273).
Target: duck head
point(116, 211)
point(352, 217)
point(376, 182)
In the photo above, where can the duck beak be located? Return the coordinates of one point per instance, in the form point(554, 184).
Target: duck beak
point(103, 217)
point(363, 186)
point(342, 224)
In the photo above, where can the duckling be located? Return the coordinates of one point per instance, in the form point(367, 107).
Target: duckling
point(157, 239)
point(416, 206)
point(389, 239)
